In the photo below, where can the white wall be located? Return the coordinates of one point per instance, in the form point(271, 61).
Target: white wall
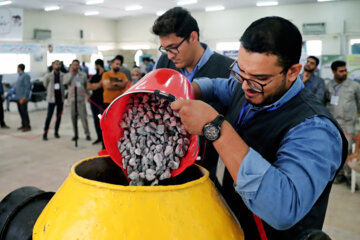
point(228, 25)
point(65, 29)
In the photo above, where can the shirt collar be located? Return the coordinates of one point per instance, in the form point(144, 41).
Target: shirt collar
point(292, 92)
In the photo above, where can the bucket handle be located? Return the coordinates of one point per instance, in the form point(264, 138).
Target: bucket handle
point(167, 96)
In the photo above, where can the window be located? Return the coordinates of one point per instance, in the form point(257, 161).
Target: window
point(93, 58)
point(313, 47)
point(10, 61)
point(355, 46)
point(137, 57)
point(67, 58)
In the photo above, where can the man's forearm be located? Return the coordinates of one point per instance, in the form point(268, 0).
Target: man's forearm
point(231, 148)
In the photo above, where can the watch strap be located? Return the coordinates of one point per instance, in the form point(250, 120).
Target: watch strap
point(218, 120)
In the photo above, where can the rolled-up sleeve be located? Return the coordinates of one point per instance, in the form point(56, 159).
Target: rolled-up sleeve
point(282, 193)
point(216, 89)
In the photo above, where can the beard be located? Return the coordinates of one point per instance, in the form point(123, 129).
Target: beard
point(342, 78)
point(116, 69)
point(308, 70)
point(281, 90)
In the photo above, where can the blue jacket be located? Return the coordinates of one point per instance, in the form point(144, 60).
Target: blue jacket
point(23, 86)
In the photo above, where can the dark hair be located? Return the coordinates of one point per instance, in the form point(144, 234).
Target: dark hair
point(274, 35)
point(114, 59)
point(75, 60)
point(121, 58)
point(21, 66)
point(337, 64)
point(99, 62)
point(176, 20)
point(315, 58)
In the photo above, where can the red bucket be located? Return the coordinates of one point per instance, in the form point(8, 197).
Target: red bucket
point(168, 83)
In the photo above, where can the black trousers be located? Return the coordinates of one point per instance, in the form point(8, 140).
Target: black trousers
point(2, 123)
point(51, 107)
point(25, 120)
point(95, 112)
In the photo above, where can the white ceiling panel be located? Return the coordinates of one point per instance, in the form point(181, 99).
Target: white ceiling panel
point(115, 9)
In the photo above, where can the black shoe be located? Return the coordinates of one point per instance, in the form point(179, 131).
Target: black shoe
point(20, 128)
point(339, 179)
point(45, 137)
point(96, 142)
point(26, 129)
point(74, 138)
point(5, 126)
point(57, 135)
point(88, 138)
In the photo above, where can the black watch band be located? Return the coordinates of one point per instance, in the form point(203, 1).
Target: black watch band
point(211, 130)
point(218, 120)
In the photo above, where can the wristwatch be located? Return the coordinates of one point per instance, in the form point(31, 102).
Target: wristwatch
point(211, 130)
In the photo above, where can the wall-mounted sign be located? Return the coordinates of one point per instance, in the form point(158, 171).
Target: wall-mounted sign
point(19, 48)
point(74, 49)
point(11, 24)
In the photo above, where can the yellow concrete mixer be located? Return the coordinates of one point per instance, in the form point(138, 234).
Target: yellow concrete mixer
point(95, 203)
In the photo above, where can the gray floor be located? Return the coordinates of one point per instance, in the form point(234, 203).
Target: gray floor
point(26, 160)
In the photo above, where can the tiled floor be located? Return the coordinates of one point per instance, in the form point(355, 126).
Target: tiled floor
point(26, 160)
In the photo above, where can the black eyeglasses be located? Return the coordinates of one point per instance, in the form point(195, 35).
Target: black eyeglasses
point(173, 50)
point(254, 85)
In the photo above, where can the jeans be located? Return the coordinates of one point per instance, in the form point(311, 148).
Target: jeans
point(82, 114)
point(95, 112)
point(51, 107)
point(25, 121)
point(2, 122)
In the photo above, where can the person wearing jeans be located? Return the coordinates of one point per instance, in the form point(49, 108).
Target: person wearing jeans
point(53, 83)
point(23, 86)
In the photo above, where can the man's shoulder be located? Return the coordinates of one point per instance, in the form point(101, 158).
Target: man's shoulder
point(26, 75)
point(318, 79)
point(120, 74)
point(220, 60)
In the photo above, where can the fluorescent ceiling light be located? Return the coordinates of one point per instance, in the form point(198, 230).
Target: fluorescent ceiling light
point(186, 2)
point(5, 3)
point(214, 8)
point(51, 8)
point(92, 2)
point(266, 4)
point(325, 0)
point(91, 13)
point(161, 12)
point(133, 8)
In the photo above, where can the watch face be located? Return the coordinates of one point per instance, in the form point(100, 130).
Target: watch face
point(211, 132)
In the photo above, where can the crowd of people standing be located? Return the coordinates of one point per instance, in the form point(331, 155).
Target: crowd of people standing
point(62, 83)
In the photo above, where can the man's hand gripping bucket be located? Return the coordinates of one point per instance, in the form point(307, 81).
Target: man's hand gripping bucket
point(166, 83)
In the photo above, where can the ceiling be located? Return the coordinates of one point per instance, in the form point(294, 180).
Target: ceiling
point(115, 9)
